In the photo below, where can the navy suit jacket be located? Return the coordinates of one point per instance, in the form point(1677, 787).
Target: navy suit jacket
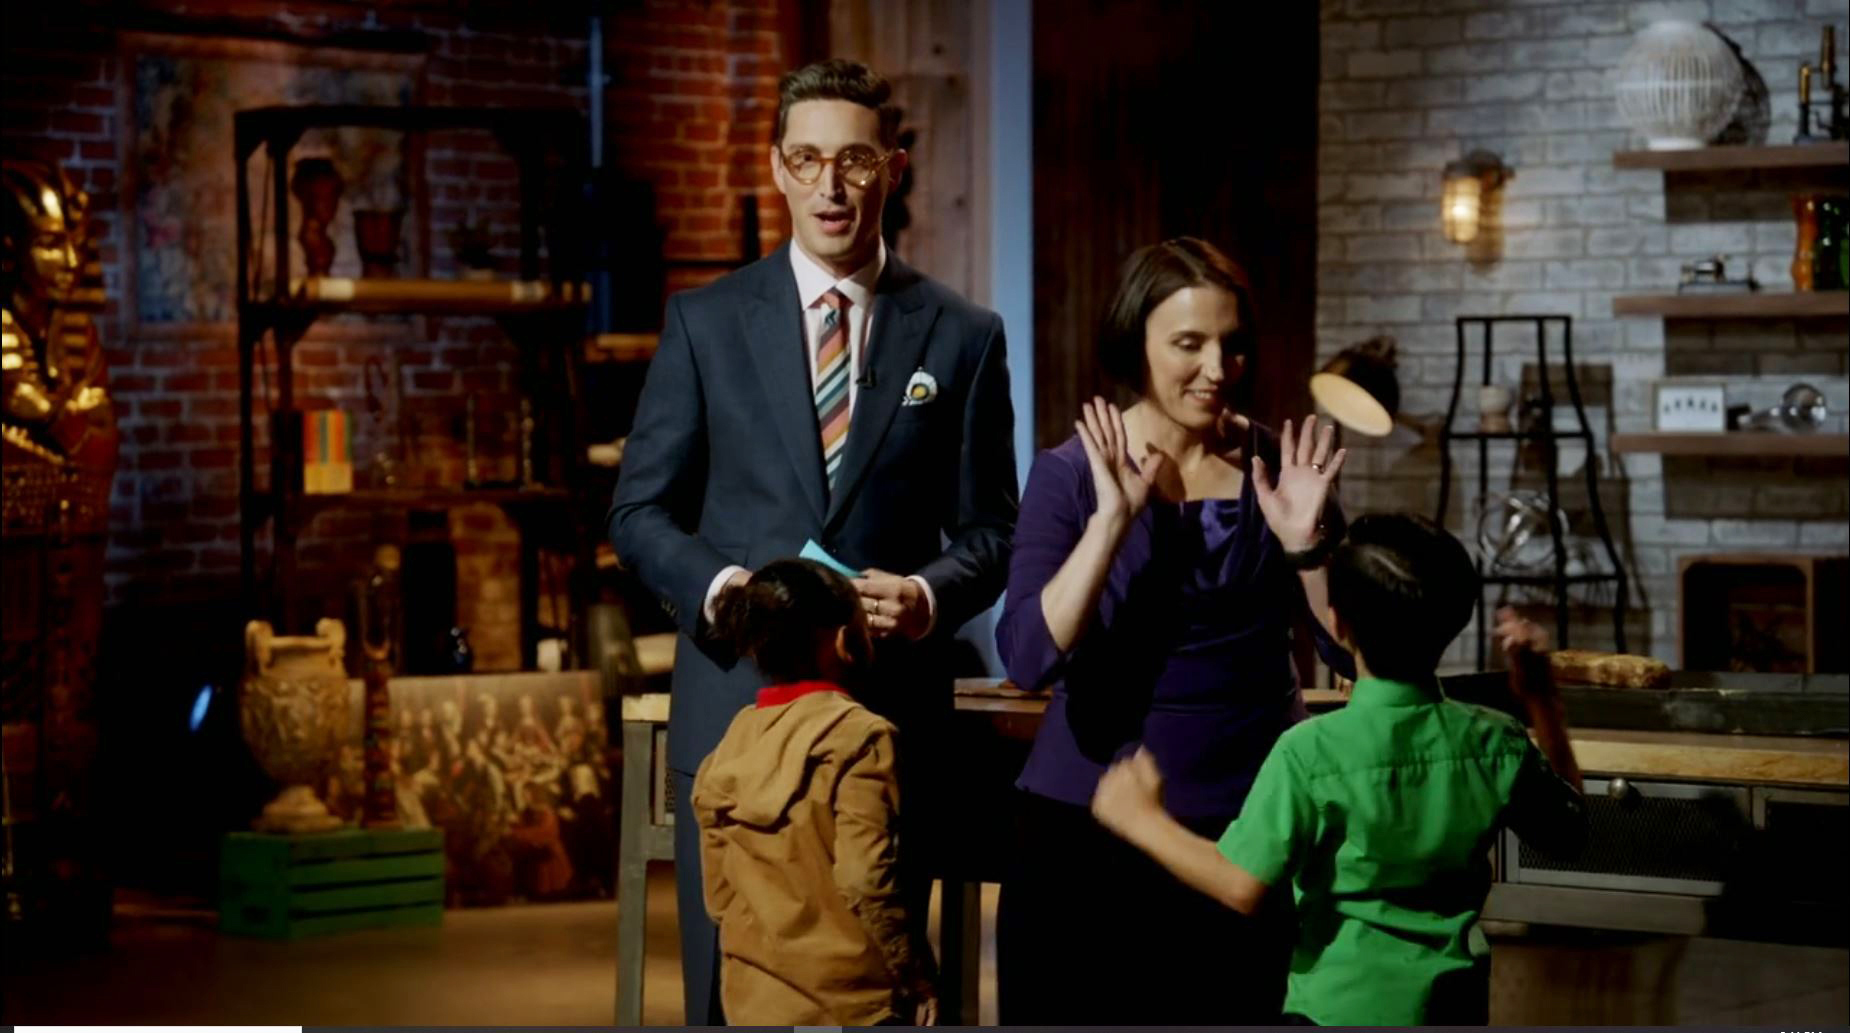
point(724, 466)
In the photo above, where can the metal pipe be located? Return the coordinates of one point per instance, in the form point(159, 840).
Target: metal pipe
point(596, 87)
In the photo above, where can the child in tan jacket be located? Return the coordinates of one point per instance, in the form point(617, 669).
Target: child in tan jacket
point(796, 808)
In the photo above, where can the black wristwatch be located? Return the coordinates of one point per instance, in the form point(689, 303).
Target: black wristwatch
point(1315, 556)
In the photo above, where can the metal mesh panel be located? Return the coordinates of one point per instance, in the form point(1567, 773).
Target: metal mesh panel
point(1661, 837)
point(664, 782)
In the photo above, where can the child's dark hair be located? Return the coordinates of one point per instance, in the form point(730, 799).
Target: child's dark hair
point(1405, 588)
point(781, 617)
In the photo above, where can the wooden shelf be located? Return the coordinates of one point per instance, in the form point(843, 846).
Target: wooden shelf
point(621, 347)
point(1783, 156)
point(428, 498)
point(506, 684)
point(343, 294)
point(1733, 443)
point(1744, 305)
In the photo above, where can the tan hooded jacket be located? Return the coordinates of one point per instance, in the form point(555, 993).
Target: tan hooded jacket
point(796, 808)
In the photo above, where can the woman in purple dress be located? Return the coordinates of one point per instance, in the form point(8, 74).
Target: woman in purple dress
point(1162, 556)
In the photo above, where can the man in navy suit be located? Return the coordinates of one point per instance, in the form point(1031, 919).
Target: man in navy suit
point(826, 393)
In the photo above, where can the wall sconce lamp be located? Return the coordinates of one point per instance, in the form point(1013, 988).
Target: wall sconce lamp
point(1359, 387)
point(1468, 184)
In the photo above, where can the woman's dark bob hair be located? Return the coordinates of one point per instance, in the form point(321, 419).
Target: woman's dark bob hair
point(1149, 276)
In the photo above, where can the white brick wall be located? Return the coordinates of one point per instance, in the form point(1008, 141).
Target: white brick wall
point(1408, 85)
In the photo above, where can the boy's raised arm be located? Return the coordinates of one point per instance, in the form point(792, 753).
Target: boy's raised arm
point(1546, 807)
point(1128, 802)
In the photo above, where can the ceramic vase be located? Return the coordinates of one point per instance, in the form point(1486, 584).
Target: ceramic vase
point(317, 186)
point(377, 232)
point(1493, 408)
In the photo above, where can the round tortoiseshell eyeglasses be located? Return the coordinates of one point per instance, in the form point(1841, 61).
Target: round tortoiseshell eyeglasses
point(857, 166)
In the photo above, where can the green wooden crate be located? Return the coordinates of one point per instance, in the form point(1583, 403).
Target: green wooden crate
point(287, 887)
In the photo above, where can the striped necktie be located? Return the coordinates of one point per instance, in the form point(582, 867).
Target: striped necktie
point(832, 382)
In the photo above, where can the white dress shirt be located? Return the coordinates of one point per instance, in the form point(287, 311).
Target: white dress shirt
point(813, 281)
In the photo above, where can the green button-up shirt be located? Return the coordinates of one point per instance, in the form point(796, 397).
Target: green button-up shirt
point(1382, 815)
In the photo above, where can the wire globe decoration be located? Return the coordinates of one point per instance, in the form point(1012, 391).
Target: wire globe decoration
point(1513, 535)
point(1678, 85)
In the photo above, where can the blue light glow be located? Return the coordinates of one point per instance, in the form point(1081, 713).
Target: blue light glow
point(201, 704)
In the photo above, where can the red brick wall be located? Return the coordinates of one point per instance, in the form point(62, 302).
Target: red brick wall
point(689, 108)
point(692, 101)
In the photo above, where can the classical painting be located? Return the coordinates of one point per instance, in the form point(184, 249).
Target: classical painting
point(516, 772)
point(179, 97)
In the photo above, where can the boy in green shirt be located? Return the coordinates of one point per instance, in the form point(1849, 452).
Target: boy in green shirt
point(1382, 813)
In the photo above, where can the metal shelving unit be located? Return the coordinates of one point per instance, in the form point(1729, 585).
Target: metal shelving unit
point(1545, 434)
point(544, 309)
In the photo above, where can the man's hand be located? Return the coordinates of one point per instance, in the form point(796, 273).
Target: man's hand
point(738, 577)
point(895, 605)
point(1129, 791)
point(927, 1012)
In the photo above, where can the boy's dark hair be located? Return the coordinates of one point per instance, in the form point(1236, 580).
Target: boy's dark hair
point(838, 79)
point(1147, 279)
point(1405, 588)
point(784, 615)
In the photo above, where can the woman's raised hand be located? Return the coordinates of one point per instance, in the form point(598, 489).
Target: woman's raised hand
point(1122, 488)
point(1294, 505)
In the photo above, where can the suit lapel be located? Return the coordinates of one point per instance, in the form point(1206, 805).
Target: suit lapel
point(902, 322)
point(773, 333)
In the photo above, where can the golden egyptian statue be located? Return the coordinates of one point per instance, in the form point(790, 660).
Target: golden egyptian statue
point(56, 409)
point(57, 460)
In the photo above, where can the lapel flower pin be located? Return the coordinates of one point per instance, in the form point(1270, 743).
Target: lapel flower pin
point(921, 389)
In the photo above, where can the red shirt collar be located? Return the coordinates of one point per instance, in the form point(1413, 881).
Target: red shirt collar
point(778, 695)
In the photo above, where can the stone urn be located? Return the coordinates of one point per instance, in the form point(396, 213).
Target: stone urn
point(294, 712)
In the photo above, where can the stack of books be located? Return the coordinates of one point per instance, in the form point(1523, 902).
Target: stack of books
point(327, 453)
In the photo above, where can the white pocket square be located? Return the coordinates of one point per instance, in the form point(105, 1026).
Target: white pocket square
point(922, 389)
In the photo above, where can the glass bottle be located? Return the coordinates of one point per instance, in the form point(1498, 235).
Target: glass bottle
point(1829, 250)
point(1805, 211)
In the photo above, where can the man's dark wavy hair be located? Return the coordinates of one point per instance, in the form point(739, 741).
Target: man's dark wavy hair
point(837, 79)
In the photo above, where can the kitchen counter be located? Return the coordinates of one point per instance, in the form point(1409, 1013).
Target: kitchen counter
point(997, 721)
point(1677, 755)
point(1714, 757)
